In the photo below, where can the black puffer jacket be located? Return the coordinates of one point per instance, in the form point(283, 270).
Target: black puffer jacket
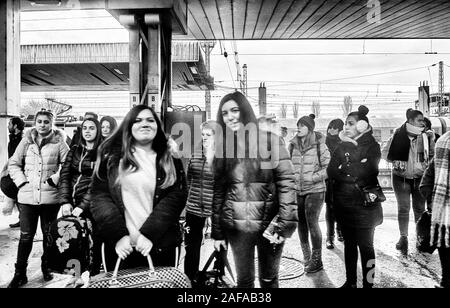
point(76, 176)
point(249, 196)
point(361, 171)
point(201, 186)
point(107, 208)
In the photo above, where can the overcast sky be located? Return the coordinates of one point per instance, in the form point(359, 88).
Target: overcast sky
point(294, 71)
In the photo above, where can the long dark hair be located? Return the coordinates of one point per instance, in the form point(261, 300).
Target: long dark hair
point(247, 116)
point(123, 138)
point(98, 138)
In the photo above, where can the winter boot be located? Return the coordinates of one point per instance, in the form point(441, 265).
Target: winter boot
point(402, 244)
point(19, 279)
point(306, 254)
point(316, 262)
point(46, 273)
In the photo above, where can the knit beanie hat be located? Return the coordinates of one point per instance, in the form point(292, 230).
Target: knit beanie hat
point(308, 121)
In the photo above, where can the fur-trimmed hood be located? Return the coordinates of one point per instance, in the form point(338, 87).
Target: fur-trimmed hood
point(56, 136)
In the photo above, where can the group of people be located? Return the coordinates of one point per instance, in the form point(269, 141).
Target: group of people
point(256, 187)
point(48, 176)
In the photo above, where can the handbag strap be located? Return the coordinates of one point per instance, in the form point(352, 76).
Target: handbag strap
point(213, 256)
point(151, 271)
point(221, 256)
point(114, 281)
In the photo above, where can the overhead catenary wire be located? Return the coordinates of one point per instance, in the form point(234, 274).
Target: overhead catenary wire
point(225, 54)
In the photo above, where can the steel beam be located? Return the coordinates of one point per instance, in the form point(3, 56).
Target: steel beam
point(9, 69)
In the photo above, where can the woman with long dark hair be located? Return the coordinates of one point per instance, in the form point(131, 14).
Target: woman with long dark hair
point(76, 175)
point(138, 192)
point(353, 168)
point(410, 150)
point(35, 169)
point(254, 185)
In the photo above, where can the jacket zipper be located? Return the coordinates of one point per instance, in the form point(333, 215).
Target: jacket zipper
point(83, 156)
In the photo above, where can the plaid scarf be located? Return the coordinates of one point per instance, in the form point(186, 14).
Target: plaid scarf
point(440, 221)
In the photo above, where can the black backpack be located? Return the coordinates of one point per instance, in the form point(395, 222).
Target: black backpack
point(69, 245)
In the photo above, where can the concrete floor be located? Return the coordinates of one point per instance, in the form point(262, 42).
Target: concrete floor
point(394, 270)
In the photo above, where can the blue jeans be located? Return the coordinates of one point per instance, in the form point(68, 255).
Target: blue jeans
point(405, 189)
point(309, 208)
point(29, 217)
point(269, 257)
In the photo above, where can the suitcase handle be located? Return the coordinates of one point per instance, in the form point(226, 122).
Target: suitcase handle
point(114, 282)
point(151, 271)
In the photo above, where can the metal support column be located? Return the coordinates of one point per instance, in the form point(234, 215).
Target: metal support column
point(207, 49)
point(9, 69)
point(135, 62)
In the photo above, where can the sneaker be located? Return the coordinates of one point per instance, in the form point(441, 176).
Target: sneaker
point(330, 244)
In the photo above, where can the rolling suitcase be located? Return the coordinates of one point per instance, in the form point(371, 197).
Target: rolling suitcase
point(159, 277)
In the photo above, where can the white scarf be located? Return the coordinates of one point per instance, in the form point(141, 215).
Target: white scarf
point(345, 138)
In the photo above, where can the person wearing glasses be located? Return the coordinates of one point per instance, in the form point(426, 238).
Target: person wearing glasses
point(35, 168)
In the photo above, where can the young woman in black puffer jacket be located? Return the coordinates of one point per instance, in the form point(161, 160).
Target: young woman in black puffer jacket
point(76, 175)
point(77, 171)
point(254, 183)
point(200, 181)
point(354, 166)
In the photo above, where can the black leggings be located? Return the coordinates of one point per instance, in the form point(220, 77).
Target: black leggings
point(355, 238)
point(331, 222)
point(444, 255)
point(193, 243)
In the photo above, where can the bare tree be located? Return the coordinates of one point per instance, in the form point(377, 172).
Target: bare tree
point(295, 110)
point(49, 103)
point(284, 111)
point(315, 108)
point(347, 106)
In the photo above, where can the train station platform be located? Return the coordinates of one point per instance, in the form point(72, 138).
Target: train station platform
point(416, 270)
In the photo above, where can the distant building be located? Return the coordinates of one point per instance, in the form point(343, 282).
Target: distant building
point(434, 107)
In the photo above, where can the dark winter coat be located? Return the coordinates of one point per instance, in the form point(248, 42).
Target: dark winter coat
point(251, 194)
point(107, 208)
point(332, 143)
point(200, 180)
point(76, 176)
point(14, 141)
point(349, 178)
